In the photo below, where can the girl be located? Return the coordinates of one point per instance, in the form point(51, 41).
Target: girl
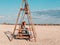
point(25, 30)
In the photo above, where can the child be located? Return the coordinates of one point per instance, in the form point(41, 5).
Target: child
point(25, 30)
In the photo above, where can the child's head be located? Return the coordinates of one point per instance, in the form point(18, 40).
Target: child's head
point(23, 23)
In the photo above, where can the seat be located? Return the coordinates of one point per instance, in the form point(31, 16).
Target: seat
point(22, 35)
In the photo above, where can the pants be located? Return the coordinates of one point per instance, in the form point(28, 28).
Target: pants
point(26, 32)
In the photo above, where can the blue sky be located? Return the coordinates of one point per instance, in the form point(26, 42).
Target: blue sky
point(10, 8)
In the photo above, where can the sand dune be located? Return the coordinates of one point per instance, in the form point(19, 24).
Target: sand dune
point(46, 35)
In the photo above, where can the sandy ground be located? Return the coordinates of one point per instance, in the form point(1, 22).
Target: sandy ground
point(46, 35)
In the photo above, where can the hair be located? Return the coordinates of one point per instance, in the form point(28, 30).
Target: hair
point(23, 22)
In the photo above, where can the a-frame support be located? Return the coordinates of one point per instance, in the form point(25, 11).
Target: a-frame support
point(26, 12)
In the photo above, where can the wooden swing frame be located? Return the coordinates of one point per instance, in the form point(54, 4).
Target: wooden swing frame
point(31, 26)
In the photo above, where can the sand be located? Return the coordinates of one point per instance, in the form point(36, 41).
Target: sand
point(46, 35)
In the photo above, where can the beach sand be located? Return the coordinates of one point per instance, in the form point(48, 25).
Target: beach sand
point(46, 35)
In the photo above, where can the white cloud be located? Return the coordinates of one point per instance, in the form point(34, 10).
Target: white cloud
point(2, 17)
point(37, 18)
point(46, 19)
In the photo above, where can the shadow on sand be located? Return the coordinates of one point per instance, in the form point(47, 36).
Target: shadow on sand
point(10, 36)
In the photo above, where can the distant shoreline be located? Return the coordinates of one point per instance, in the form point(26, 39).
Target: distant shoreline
point(36, 24)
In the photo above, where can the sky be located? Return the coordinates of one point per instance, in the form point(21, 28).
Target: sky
point(10, 8)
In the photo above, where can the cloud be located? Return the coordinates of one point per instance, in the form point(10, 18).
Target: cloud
point(39, 17)
point(47, 17)
point(2, 17)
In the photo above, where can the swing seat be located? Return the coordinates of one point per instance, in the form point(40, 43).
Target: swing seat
point(22, 35)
